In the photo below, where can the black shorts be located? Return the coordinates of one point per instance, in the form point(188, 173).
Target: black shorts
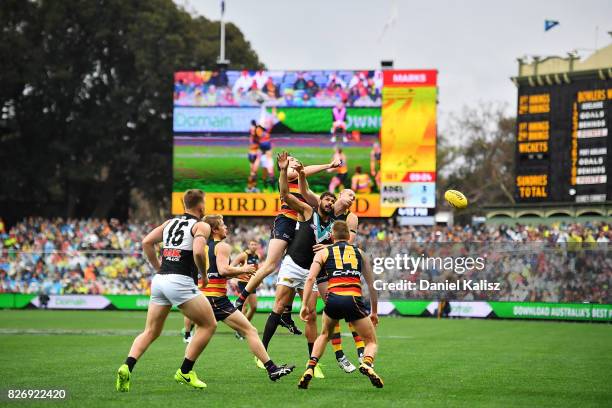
point(265, 146)
point(342, 177)
point(349, 308)
point(283, 228)
point(242, 285)
point(252, 157)
point(222, 307)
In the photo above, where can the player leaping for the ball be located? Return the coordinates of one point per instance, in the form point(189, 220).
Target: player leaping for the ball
point(314, 225)
point(283, 231)
point(342, 212)
point(345, 264)
point(219, 270)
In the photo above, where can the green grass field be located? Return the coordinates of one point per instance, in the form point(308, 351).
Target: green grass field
point(226, 168)
point(424, 362)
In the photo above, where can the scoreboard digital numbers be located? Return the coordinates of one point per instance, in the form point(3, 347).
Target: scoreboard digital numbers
point(562, 142)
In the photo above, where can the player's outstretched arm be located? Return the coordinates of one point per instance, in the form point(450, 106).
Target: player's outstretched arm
point(223, 263)
point(315, 268)
point(310, 197)
point(148, 245)
point(367, 274)
point(317, 168)
point(200, 237)
point(295, 204)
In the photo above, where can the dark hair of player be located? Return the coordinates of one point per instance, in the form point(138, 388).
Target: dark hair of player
point(214, 220)
point(326, 194)
point(193, 198)
point(340, 231)
point(358, 169)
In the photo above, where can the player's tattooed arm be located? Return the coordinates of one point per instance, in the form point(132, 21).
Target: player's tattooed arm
point(295, 204)
point(353, 222)
point(200, 237)
point(223, 264)
point(367, 275)
point(315, 268)
point(148, 245)
point(310, 197)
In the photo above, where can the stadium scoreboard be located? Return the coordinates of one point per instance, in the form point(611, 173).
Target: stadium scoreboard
point(563, 142)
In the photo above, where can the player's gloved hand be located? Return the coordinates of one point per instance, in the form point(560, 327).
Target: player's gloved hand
point(304, 313)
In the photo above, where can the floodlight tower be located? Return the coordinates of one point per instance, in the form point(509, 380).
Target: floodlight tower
point(222, 63)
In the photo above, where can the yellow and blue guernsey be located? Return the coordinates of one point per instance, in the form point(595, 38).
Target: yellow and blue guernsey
point(217, 284)
point(343, 264)
point(216, 290)
point(343, 267)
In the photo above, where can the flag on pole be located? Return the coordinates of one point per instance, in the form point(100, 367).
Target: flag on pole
point(548, 24)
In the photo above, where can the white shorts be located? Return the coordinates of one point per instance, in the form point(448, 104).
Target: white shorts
point(265, 162)
point(172, 289)
point(292, 275)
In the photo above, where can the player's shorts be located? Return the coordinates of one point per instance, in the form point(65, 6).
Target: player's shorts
point(242, 285)
point(342, 177)
point(221, 306)
point(252, 157)
point(172, 289)
point(292, 275)
point(266, 162)
point(265, 146)
point(283, 228)
point(349, 308)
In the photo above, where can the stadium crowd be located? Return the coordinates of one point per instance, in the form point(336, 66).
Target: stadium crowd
point(278, 88)
point(73, 257)
point(557, 263)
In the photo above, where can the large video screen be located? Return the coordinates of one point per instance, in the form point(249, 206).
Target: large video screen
point(229, 126)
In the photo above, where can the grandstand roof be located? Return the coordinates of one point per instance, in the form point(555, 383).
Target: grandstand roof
point(561, 69)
